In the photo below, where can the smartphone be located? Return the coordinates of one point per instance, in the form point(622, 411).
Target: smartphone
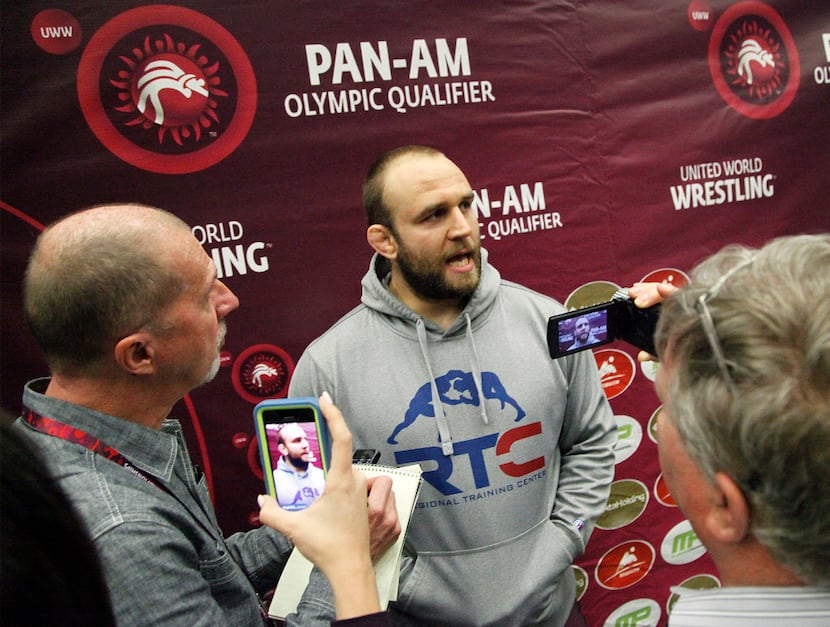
point(593, 326)
point(294, 448)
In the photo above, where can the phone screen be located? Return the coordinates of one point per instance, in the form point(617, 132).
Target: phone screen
point(294, 457)
point(579, 330)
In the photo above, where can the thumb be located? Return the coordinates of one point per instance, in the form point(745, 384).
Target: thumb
point(270, 513)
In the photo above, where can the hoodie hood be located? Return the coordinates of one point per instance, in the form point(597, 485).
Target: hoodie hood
point(376, 295)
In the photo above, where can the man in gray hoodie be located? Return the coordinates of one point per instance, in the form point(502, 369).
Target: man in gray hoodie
point(446, 365)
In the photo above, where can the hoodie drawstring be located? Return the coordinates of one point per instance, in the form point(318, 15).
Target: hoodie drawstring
point(438, 406)
point(475, 369)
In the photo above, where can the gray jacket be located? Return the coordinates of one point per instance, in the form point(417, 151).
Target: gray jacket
point(164, 558)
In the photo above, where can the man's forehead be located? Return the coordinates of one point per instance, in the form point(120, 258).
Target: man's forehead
point(422, 174)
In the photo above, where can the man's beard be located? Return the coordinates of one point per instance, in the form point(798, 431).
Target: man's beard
point(298, 463)
point(214, 367)
point(427, 277)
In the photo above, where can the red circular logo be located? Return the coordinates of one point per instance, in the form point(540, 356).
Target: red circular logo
point(167, 89)
point(673, 276)
point(56, 31)
point(753, 60)
point(616, 370)
point(700, 15)
point(262, 371)
point(624, 565)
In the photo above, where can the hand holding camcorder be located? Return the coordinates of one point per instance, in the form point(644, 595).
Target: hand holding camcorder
point(596, 325)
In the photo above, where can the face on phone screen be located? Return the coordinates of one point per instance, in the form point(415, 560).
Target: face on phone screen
point(296, 465)
point(578, 331)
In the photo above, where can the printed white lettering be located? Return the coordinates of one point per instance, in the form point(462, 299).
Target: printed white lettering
point(222, 232)
point(240, 259)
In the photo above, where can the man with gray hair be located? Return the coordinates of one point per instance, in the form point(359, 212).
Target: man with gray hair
point(744, 434)
point(130, 314)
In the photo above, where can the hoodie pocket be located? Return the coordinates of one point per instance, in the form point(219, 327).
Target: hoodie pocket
point(526, 580)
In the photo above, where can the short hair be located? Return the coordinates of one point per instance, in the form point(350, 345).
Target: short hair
point(373, 185)
point(769, 429)
point(94, 277)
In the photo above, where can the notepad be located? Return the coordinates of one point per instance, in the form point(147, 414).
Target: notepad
point(406, 482)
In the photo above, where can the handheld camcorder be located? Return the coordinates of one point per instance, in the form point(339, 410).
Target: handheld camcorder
point(596, 325)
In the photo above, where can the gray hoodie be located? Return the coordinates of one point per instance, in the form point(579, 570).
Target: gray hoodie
point(516, 448)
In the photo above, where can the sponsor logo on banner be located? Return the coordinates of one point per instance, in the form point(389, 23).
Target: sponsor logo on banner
point(167, 89)
point(672, 276)
point(262, 371)
point(636, 613)
point(231, 253)
point(616, 370)
point(627, 501)
point(651, 429)
point(753, 60)
point(721, 183)
point(821, 73)
point(629, 437)
point(625, 564)
point(514, 210)
point(661, 492)
point(371, 76)
point(581, 577)
point(56, 31)
point(681, 545)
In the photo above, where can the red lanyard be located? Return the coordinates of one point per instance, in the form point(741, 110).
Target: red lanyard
point(52, 427)
point(55, 428)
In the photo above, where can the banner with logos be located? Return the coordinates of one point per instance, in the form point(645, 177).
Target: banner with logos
point(606, 142)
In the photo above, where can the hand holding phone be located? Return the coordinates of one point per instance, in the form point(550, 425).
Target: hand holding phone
point(295, 449)
point(334, 534)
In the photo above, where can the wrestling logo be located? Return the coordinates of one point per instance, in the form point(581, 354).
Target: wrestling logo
point(167, 89)
point(262, 371)
point(753, 60)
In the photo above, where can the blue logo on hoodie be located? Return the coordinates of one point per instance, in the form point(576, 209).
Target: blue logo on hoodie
point(459, 388)
point(455, 388)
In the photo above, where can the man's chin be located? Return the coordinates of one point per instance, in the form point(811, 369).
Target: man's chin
point(210, 375)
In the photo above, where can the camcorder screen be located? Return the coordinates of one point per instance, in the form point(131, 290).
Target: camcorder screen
point(589, 327)
point(578, 330)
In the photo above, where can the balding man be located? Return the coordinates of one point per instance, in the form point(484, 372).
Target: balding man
point(130, 314)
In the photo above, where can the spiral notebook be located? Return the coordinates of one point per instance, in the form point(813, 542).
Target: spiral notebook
point(406, 482)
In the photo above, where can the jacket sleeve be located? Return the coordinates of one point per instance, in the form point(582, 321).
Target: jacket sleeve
point(261, 554)
point(587, 442)
point(308, 378)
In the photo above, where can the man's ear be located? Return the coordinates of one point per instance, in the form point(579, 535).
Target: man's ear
point(729, 517)
point(382, 240)
point(135, 353)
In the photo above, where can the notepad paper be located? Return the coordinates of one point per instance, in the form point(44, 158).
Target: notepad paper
point(406, 482)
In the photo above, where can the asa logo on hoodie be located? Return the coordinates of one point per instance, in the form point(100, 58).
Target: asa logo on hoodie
point(458, 387)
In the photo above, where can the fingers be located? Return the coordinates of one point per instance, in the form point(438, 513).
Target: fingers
point(271, 514)
point(645, 356)
point(341, 437)
point(384, 525)
point(648, 294)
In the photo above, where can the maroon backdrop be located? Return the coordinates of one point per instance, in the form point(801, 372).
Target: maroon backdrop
point(607, 142)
